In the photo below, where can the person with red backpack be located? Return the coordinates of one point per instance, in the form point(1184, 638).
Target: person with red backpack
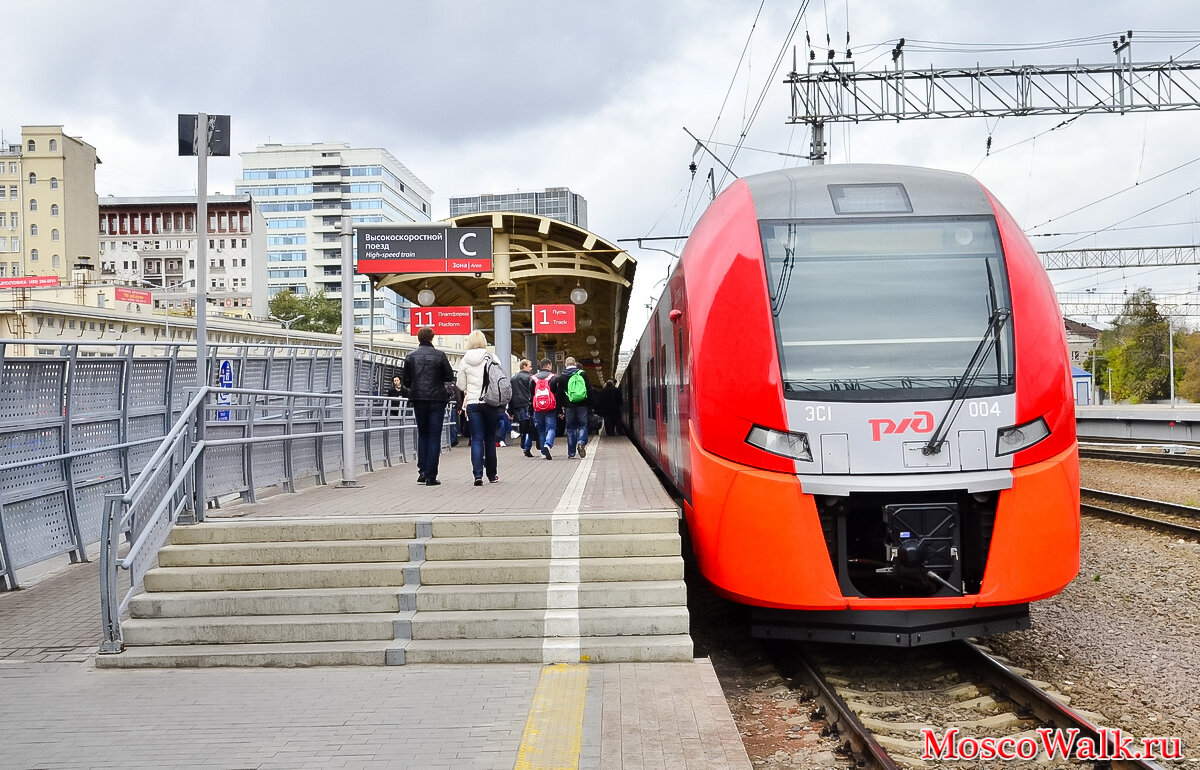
point(545, 412)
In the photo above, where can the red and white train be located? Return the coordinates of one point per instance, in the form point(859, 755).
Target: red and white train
point(857, 378)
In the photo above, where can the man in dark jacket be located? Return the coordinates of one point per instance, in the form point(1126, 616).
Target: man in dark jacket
point(521, 403)
point(573, 398)
point(426, 372)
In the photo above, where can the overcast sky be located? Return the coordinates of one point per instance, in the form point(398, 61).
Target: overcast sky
point(498, 96)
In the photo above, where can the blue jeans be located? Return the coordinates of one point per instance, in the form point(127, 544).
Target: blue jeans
point(504, 427)
point(483, 421)
point(523, 416)
point(430, 416)
point(546, 424)
point(577, 427)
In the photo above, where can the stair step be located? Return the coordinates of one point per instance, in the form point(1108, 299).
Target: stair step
point(249, 578)
point(608, 523)
point(303, 552)
point(357, 653)
point(520, 624)
point(504, 596)
point(621, 649)
point(293, 530)
point(541, 547)
point(258, 629)
point(284, 601)
point(595, 570)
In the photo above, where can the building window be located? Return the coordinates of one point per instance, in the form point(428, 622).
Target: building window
point(32, 146)
point(54, 234)
point(55, 261)
point(33, 256)
point(33, 230)
point(53, 145)
point(53, 209)
point(32, 178)
point(33, 204)
point(53, 183)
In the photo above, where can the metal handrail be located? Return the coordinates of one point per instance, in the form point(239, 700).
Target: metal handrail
point(168, 484)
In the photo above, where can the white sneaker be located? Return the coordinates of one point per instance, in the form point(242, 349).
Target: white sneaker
point(503, 444)
point(516, 434)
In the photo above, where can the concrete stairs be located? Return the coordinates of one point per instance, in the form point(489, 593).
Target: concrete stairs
point(534, 588)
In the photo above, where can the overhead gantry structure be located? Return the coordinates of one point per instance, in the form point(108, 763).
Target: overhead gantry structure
point(537, 260)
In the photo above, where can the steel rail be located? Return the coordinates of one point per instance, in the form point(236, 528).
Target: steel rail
point(1045, 707)
point(1169, 527)
point(862, 742)
point(1148, 458)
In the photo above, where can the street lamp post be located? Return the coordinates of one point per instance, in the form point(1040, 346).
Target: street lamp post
point(167, 309)
point(1171, 357)
point(287, 327)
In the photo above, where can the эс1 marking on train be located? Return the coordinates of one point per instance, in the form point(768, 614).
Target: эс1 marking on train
point(857, 379)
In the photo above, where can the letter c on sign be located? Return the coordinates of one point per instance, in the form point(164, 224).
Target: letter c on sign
point(462, 244)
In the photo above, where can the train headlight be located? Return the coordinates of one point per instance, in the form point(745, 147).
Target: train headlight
point(777, 442)
point(1018, 437)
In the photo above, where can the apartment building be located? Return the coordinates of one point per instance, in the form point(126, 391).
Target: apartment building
point(304, 190)
point(47, 204)
point(152, 243)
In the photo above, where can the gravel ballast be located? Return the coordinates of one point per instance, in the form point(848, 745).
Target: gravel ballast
point(1121, 639)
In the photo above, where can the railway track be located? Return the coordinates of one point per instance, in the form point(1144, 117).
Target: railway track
point(1141, 456)
point(888, 707)
point(1171, 518)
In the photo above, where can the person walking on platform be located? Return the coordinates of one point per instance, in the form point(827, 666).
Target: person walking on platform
point(610, 408)
point(396, 391)
point(522, 403)
point(545, 413)
point(482, 418)
point(573, 393)
point(426, 372)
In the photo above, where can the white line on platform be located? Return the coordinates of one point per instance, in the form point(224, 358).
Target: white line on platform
point(561, 621)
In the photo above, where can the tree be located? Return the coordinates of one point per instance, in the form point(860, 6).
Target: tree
point(321, 314)
point(1136, 350)
point(1187, 366)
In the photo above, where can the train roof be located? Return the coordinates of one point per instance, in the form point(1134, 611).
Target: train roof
point(864, 190)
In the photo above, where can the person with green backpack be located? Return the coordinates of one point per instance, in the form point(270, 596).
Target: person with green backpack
point(573, 393)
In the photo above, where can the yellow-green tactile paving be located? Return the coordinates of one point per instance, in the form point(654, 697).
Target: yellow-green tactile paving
point(554, 731)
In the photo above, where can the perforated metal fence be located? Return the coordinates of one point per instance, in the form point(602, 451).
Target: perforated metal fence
point(82, 424)
point(253, 439)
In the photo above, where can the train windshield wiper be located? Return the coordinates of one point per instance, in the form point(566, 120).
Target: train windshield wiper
point(990, 338)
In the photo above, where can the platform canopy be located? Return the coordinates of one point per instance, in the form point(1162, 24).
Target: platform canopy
point(537, 261)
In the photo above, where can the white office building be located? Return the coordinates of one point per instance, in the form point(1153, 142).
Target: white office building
point(304, 190)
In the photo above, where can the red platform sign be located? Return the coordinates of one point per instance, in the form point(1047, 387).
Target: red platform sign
point(132, 295)
point(28, 282)
point(443, 320)
point(553, 319)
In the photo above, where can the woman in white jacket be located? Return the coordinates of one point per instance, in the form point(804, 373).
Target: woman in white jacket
point(482, 419)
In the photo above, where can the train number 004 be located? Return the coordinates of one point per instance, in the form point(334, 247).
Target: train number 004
point(983, 408)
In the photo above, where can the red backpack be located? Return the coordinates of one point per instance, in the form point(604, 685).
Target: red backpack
point(543, 398)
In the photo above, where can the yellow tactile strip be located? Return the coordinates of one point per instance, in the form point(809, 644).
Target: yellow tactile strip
point(554, 730)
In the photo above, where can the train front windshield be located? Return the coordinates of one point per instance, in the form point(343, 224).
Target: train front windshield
point(887, 309)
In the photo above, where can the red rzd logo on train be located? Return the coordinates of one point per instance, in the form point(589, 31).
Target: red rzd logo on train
point(920, 422)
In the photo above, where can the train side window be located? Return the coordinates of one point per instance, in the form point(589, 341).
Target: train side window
point(651, 391)
point(662, 379)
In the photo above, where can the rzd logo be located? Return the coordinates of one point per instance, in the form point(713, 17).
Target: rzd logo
point(920, 422)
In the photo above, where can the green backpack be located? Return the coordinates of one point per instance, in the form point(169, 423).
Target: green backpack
point(577, 389)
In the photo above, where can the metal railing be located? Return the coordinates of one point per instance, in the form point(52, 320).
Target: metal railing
point(253, 439)
point(82, 424)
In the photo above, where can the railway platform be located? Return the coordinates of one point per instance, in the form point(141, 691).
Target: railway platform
point(60, 708)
